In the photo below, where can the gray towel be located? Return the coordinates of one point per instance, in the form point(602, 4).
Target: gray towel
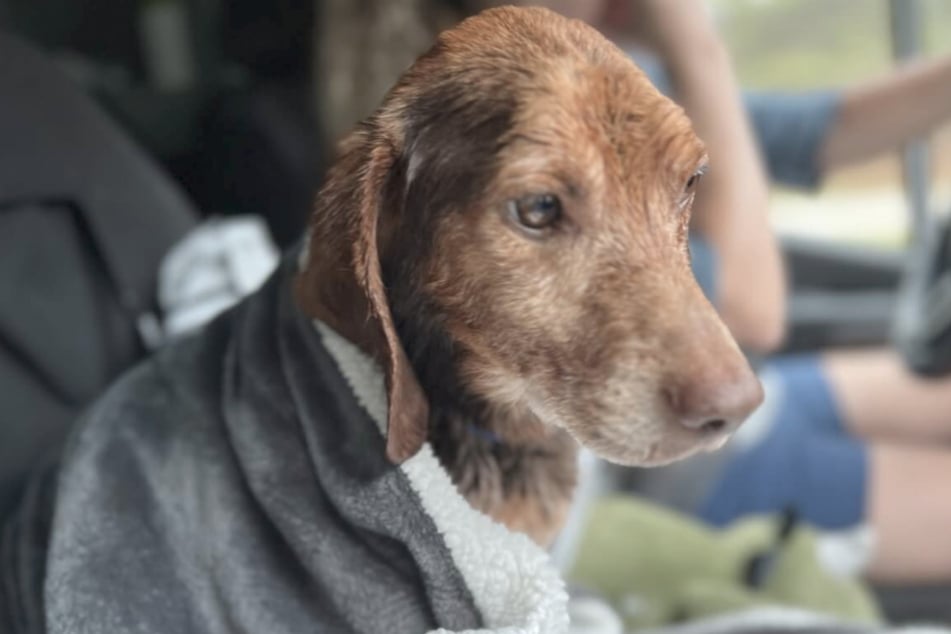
point(237, 482)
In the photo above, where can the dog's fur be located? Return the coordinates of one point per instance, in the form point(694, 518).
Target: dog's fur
point(502, 345)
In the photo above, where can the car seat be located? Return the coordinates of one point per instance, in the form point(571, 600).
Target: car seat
point(85, 218)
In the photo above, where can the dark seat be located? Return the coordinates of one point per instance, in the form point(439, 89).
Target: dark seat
point(85, 218)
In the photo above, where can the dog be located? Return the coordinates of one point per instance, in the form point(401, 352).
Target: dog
point(507, 236)
point(496, 271)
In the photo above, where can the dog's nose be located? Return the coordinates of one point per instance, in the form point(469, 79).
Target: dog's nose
point(715, 400)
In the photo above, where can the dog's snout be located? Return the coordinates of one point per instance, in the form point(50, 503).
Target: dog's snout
point(715, 401)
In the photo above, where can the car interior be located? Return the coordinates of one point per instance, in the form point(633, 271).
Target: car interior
point(170, 158)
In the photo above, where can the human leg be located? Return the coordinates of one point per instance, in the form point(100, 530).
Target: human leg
point(879, 398)
point(806, 457)
point(909, 509)
point(793, 453)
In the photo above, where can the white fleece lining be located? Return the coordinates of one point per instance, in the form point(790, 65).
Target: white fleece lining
point(513, 582)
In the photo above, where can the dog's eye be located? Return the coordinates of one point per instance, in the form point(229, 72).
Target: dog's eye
point(694, 180)
point(690, 188)
point(536, 212)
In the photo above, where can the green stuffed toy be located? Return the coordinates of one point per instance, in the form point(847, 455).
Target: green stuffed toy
point(657, 567)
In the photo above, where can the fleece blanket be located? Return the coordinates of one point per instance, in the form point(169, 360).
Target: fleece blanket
point(237, 482)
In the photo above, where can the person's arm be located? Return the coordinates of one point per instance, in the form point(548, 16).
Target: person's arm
point(881, 115)
point(732, 200)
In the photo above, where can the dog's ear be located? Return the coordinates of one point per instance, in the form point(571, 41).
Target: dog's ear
point(341, 280)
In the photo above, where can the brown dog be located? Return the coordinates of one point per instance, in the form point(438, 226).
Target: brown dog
point(506, 235)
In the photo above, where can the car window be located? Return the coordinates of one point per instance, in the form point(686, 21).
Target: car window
point(817, 44)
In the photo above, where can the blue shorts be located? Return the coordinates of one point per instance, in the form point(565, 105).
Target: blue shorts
point(798, 456)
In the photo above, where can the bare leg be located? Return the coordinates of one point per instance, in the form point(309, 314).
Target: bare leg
point(909, 505)
point(881, 400)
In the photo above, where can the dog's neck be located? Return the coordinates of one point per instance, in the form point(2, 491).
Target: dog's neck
point(502, 458)
point(525, 483)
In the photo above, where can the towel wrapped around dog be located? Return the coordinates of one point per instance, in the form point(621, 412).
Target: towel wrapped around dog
point(237, 482)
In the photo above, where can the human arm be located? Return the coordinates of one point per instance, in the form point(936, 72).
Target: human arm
point(882, 114)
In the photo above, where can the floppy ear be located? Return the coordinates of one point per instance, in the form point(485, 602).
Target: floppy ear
point(341, 281)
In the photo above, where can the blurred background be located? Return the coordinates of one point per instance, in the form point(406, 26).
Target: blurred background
point(807, 44)
point(204, 85)
point(234, 107)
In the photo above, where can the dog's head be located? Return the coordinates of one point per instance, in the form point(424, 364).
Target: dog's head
point(520, 202)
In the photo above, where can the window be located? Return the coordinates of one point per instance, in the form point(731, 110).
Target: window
point(808, 44)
